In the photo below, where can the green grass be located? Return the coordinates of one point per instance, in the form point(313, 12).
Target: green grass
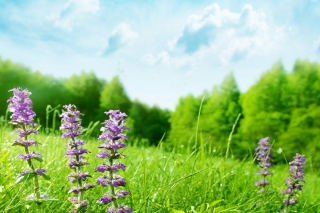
point(158, 180)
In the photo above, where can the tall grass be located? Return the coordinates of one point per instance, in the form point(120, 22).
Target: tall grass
point(159, 181)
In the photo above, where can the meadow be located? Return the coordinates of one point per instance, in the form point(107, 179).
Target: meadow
point(160, 179)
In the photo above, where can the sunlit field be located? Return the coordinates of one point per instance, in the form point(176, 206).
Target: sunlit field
point(160, 179)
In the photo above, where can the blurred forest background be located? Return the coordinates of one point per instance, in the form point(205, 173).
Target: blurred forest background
point(282, 105)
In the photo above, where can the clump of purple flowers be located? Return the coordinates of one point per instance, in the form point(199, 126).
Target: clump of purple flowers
point(264, 156)
point(295, 180)
point(22, 116)
point(112, 135)
point(71, 124)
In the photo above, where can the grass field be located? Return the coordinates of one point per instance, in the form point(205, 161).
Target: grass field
point(159, 180)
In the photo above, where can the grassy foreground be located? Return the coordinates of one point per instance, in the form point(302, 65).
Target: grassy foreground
point(159, 181)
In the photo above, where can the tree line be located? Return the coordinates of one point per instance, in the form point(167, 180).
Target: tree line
point(91, 95)
point(282, 105)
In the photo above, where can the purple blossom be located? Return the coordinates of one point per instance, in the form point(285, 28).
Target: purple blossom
point(121, 209)
point(295, 180)
point(117, 166)
point(29, 156)
point(103, 181)
point(118, 181)
point(23, 133)
point(21, 107)
point(74, 189)
point(76, 151)
point(73, 177)
point(103, 155)
point(41, 171)
point(79, 203)
point(122, 193)
point(105, 199)
point(112, 137)
point(264, 156)
point(71, 125)
point(22, 116)
point(29, 142)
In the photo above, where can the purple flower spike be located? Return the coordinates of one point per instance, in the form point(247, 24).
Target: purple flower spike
point(22, 116)
point(71, 125)
point(112, 136)
point(264, 156)
point(21, 107)
point(295, 180)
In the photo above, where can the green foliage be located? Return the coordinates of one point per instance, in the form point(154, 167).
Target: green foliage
point(85, 92)
point(148, 123)
point(183, 121)
point(265, 106)
point(90, 94)
point(220, 112)
point(113, 96)
point(158, 181)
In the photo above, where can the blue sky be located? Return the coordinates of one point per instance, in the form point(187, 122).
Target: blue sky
point(161, 50)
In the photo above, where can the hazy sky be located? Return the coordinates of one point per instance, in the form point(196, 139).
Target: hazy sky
point(161, 50)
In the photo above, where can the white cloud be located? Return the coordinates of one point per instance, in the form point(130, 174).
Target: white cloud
point(119, 37)
point(73, 11)
point(232, 36)
point(164, 58)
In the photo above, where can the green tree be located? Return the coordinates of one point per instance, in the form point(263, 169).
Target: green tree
point(220, 112)
point(113, 96)
point(148, 123)
point(85, 90)
point(266, 107)
point(183, 121)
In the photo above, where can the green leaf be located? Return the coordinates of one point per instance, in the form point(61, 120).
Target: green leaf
point(16, 144)
point(46, 177)
point(38, 159)
point(215, 202)
point(25, 177)
point(177, 211)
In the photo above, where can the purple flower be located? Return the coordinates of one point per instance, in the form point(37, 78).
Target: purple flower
point(71, 125)
point(295, 180)
point(41, 171)
point(117, 166)
point(105, 199)
point(76, 151)
point(29, 156)
point(264, 156)
point(103, 181)
point(29, 142)
point(122, 193)
point(22, 116)
point(112, 137)
point(21, 107)
point(74, 189)
point(103, 155)
point(84, 204)
point(118, 181)
point(27, 132)
point(121, 209)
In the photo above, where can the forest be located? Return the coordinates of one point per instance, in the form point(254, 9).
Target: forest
point(284, 105)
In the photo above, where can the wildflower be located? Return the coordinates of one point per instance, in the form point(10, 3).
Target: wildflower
point(71, 124)
point(112, 137)
point(295, 180)
point(264, 156)
point(22, 117)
